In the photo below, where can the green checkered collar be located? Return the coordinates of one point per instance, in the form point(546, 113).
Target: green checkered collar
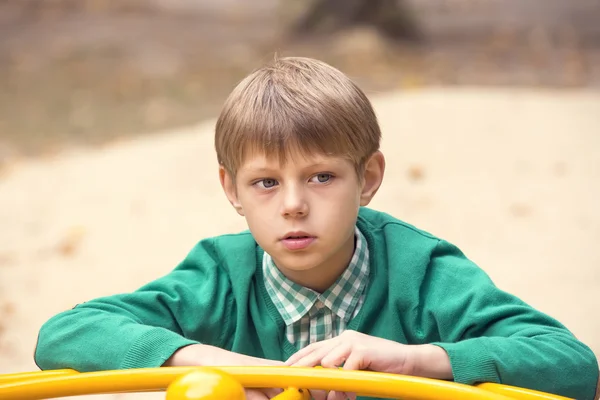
point(293, 301)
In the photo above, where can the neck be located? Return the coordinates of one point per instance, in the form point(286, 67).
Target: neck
point(321, 277)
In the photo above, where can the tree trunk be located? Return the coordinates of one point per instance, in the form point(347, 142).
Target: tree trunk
point(392, 17)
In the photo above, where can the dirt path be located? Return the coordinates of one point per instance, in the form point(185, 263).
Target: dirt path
point(511, 176)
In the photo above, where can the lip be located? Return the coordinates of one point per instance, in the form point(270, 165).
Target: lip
point(296, 233)
point(297, 240)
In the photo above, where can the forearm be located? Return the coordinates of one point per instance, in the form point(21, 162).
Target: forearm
point(205, 355)
point(192, 355)
point(431, 361)
point(493, 336)
point(557, 364)
point(91, 340)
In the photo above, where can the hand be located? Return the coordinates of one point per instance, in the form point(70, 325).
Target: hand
point(211, 356)
point(357, 351)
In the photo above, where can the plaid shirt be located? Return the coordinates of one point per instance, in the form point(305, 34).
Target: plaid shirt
point(311, 316)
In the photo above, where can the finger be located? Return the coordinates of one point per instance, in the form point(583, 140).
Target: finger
point(304, 352)
point(254, 394)
point(357, 360)
point(271, 392)
point(337, 356)
point(341, 396)
point(318, 394)
point(333, 395)
point(314, 358)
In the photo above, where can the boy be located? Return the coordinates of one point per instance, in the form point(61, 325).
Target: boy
point(319, 279)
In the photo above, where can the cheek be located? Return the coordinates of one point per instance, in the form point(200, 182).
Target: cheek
point(260, 218)
point(339, 207)
point(349, 197)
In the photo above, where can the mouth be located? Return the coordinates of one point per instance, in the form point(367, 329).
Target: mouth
point(297, 235)
point(297, 240)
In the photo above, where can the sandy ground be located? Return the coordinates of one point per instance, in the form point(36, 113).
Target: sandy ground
point(511, 176)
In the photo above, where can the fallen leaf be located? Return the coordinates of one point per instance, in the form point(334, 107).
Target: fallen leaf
point(416, 173)
point(8, 308)
point(520, 210)
point(72, 241)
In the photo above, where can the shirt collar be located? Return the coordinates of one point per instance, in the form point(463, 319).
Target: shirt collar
point(294, 301)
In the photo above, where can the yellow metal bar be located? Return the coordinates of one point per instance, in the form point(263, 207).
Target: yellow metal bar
point(519, 393)
point(293, 394)
point(363, 383)
point(22, 376)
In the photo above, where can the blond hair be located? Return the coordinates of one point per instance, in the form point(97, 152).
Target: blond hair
point(296, 104)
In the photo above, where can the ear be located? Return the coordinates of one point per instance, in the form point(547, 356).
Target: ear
point(230, 190)
point(372, 177)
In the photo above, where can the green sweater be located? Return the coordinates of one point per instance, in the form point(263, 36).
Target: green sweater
point(421, 290)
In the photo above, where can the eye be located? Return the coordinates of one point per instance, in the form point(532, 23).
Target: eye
point(322, 178)
point(266, 183)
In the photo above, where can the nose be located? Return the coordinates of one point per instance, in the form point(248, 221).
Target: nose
point(294, 203)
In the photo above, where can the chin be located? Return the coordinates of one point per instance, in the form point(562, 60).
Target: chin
point(298, 266)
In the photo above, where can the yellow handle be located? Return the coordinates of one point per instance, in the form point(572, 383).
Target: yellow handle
point(60, 383)
point(23, 376)
point(205, 384)
point(293, 394)
point(363, 383)
point(518, 393)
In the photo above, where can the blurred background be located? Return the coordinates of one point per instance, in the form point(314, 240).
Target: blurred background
point(490, 112)
point(88, 71)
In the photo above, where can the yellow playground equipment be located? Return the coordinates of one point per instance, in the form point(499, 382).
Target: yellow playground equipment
point(228, 383)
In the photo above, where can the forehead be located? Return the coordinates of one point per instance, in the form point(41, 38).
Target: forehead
point(293, 159)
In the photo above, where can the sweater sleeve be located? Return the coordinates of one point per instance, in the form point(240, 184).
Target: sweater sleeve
point(492, 336)
point(143, 328)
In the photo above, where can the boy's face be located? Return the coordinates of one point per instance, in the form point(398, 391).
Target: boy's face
point(303, 213)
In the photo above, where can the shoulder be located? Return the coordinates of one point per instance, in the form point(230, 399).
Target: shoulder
point(407, 247)
point(384, 226)
point(226, 253)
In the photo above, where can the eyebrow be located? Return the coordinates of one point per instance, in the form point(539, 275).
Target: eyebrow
point(311, 166)
point(258, 170)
